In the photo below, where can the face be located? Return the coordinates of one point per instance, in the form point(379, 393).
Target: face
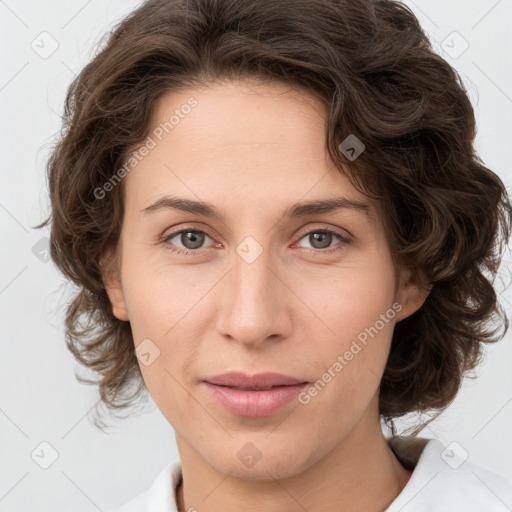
point(262, 285)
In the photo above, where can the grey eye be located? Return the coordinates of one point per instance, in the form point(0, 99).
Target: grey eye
point(192, 239)
point(321, 239)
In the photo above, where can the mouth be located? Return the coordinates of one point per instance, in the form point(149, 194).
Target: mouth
point(253, 397)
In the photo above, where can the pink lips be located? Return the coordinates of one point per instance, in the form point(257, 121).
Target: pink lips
point(253, 395)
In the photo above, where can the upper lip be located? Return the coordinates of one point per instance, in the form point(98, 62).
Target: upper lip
point(259, 381)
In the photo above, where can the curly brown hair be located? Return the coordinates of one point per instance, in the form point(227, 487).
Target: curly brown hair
point(374, 67)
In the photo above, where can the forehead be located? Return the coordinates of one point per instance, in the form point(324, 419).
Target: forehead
point(261, 143)
point(242, 114)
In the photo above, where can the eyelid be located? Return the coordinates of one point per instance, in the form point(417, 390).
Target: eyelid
point(172, 232)
point(325, 227)
point(304, 232)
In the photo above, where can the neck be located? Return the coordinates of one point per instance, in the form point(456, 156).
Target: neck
point(361, 473)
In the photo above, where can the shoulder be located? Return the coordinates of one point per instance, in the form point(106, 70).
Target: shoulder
point(160, 495)
point(444, 480)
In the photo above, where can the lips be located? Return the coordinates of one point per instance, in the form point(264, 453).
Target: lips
point(260, 381)
point(253, 396)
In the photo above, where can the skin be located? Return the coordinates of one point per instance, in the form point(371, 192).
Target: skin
point(251, 150)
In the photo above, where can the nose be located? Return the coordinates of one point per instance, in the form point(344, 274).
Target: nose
point(255, 305)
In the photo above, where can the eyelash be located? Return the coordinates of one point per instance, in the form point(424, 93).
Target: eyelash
point(198, 252)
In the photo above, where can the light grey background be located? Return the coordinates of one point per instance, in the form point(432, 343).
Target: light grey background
point(40, 399)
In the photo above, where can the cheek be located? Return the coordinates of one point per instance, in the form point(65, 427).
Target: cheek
point(356, 320)
point(346, 300)
point(161, 312)
point(159, 295)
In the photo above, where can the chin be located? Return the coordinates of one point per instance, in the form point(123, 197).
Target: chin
point(261, 462)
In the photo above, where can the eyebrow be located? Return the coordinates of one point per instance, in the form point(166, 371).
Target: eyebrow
point(295, 210)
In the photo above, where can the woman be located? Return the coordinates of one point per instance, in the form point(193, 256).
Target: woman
point(279, 227)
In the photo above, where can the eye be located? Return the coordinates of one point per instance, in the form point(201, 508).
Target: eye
point(321, 239)
point(191, 240)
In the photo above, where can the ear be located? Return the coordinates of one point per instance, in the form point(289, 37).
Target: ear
point(110, 277)
point(412, 291)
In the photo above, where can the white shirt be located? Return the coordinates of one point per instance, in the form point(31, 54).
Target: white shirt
point(441, 481)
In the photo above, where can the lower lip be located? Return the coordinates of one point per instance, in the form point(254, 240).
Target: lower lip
point(254, 404)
